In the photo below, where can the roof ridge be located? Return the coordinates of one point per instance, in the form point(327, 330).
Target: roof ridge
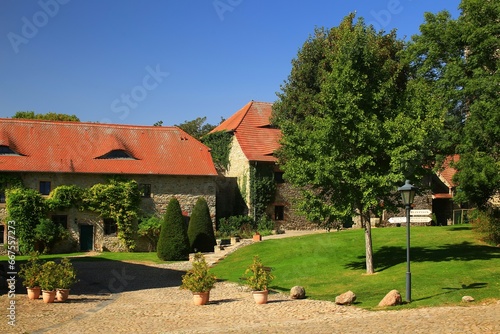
point(73, 123)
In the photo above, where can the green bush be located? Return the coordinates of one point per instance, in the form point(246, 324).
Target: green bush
point(200, 231)
point(173, 244)
point(236, 226)
point(487, 223)
point(47, 233)
point(150, 227)
point(265, 224)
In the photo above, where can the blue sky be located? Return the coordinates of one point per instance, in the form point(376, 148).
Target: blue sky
point(138, 62)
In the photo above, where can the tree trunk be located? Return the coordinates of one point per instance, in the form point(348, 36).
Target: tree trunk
point(368, 244)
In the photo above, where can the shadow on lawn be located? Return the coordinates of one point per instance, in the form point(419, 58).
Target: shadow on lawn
point(387, 257)
point(104, 277)
point(450, 290)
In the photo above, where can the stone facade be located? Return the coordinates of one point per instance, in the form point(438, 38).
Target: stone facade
point(187, 189)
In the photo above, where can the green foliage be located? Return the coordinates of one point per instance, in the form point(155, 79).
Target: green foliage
point(49, 274)
point(47, 233)
point(30, 271)
point(50, 116)
point(119, 200)
point(345, 121)
point(258, 277)
point(457, 60)
point(199, 278)
point(150, 227)
point(220, 146)
point(236, 226)
point(9, 180)
point(173, 244)
point(27, 208)
point(265, 225)
point(66, 274)
point(487, 223)
point(197, 127)
point(200, 231)
point(65, 197)
point(262, 188)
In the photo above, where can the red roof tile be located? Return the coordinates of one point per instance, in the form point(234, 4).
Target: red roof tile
point(448, 172)
point(46, 146)
point(252, 129)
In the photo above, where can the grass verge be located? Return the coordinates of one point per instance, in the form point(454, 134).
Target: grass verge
point(446, 264)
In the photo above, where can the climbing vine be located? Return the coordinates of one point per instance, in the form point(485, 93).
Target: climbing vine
point(220, 146)
point(118, 199)
point(262, 188)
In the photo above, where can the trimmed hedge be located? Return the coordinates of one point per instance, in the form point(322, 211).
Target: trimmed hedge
point(173, 244)
point(200, 231)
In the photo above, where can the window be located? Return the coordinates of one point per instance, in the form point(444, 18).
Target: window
point(117, 154)
point(278, 177)
point(279, 212)
point(44, 187)
point(145, 190)
point(61, 220)
point(110, 227)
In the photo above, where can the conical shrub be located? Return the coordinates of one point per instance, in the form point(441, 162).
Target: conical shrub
point(173, 244)
point(200, 231)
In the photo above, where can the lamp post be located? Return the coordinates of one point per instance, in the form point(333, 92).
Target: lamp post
point(408, 194)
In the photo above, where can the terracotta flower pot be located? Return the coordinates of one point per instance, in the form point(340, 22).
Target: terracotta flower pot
point(34, 292)
point(62, 295)
point(201, 298)
point(48, 296)
point(260, 297)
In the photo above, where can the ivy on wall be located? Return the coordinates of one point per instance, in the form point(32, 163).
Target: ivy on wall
point(262, 188)
point(119, 199)
point(220, 146)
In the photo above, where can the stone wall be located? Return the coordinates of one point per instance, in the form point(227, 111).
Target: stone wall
point(287, 195)
point(187, 189)
point(240, 169)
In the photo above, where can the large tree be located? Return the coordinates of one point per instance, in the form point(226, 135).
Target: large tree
point(459, 60)
point(350, 133)
point(196, 127)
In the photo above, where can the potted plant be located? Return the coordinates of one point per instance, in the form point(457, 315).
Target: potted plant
point(258, 278)
point(199, 280)
point(66, 277)
point(48, 281)
point(30, 273)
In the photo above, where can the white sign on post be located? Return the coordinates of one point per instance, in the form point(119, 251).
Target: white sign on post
point(420, 212)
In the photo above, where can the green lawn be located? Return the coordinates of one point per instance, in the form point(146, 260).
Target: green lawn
point(135, 257)
point(446, 264)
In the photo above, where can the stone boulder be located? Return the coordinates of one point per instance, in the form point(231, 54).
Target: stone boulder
point(393, 298)
point(346, 298)
point(297, 292)
point(467, 299)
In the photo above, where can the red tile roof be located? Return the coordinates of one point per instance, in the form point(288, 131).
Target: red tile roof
point(448, 172)
point(47, 146)
point(252, 129)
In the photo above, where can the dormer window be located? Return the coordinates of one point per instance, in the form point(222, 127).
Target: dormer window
point(5, 150)
point(117, 154)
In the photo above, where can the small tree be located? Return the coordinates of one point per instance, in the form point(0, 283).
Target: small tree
point(173, 244)
point(200, 231)
point(150, 227)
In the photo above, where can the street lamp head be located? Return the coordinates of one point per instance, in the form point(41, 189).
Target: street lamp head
point(407, 193)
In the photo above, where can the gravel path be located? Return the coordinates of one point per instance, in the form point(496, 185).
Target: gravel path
point(117, 297)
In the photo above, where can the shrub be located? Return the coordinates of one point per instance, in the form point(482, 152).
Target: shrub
point(200, 231)
point(198, 279)
point(235, 225)
point(487, 223)
point(47, 233)
point(265, 225)
point(257, 276)
point(30, 271)
point(173, 244)
point(66, 274)
point(49, 276)
point(150, 227)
